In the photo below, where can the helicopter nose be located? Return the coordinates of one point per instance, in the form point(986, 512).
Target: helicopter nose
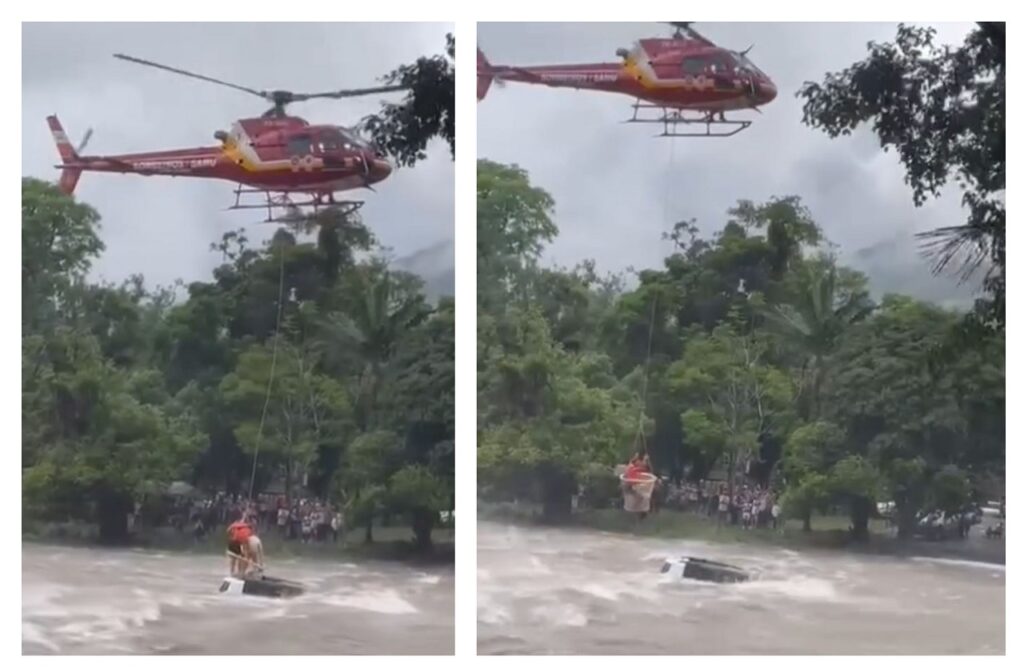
point(379, 169)
point(767, 91)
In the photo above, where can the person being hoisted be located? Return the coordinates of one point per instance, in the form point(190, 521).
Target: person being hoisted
point(639, 465)
point(637, 486)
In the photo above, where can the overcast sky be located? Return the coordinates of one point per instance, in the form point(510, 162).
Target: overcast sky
point(163, 226)
point(617, 188)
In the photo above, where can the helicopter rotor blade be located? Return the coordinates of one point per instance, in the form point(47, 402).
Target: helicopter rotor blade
point(350, 93)
point(262, 94)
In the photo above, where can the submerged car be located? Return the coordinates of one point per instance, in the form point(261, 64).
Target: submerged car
point(700, 569)
point(261, 587)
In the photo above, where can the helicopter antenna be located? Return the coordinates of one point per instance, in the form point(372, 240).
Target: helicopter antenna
point(279, 98)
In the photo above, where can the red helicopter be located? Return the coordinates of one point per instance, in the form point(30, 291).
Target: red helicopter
point(679, 82)
point(275, 155)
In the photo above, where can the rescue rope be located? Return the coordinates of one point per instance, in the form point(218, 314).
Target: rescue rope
point(273, 369)
point(642, 438)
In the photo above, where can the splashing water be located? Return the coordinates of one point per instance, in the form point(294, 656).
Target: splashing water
point(117, 602)
point(545, 591)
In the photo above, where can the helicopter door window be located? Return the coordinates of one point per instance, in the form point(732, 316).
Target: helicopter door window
point(721, 72)
point(300, 145)
point(693, 67)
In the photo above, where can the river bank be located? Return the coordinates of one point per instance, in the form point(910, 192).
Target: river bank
point(390, 543)
point(829, 532)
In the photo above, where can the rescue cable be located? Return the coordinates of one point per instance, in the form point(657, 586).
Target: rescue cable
point(273, 369)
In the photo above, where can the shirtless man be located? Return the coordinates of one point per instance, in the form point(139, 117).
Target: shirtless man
point(253, 551)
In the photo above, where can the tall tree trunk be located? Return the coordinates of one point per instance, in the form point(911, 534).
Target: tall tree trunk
point(112, 509)
point(904, 522)
point(422, 527)
point(288, 481)
point(371, 414)
point(557, 489)
point(368, 537)
point(732, 486)
point(860, 513)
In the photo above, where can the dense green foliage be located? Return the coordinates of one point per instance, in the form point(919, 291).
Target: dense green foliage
point(125, 391)
point(750, 354)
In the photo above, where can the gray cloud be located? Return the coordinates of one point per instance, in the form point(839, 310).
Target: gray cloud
point(162, 227)
point(617, 188)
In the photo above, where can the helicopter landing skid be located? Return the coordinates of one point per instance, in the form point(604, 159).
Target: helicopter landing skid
point(671, 119)
point(294, 211)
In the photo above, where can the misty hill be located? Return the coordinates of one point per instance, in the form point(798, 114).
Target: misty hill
point(897, 265)
point(435, 265)
point(894, 265)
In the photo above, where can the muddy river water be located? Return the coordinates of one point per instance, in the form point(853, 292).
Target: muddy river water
point(543, 590)
point(97, 601)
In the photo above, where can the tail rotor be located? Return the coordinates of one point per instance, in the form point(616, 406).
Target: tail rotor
point(484, 75)
point(71, 166)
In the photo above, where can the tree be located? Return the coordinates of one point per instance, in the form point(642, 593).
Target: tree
point(541, 422)
point(855, 481)
point(283, 409)
point(372, 458)
point(267, 368)
point(951, 490)
point(99, 436)
point(826, 305)
point(943, 111)
point(416, 490)
point(788, 227)
point(379, 309)
point(909, 419)
point(732, 394)
point(513, 224)
point(404, 129)
point(807, 458)
point(58, 244)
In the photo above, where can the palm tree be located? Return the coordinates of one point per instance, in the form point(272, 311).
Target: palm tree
point(385, 307)
point(822, 312)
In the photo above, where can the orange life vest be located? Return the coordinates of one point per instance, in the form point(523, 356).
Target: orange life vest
point(239, 532)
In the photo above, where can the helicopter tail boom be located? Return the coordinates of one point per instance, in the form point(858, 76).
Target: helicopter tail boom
point(68, 176)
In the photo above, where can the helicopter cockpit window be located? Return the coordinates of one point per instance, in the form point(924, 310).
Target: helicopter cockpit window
point(721, 66)
point(329, 142)
point(744, 65)
point(351, 140)
point(299, 145)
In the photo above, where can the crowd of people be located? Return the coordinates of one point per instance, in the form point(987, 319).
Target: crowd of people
point(307, 519)
point(752, 506)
